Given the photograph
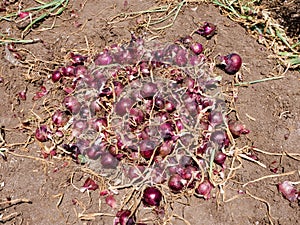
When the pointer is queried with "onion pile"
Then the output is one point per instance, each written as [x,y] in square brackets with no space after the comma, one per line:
[154,113]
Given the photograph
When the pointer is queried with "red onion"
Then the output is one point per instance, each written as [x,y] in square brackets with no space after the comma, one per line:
[147,148]
[123,105]
[152,196]
[196,47]
[181,57]
[170,106]
[59,118]
[202,148]
[159,102]
[123,218]
[77,59]
[232,62]
[136,115]
[187,39]
[103,59]
[68,71]
[207,30]
[108,161]
[99,123]
[118,87]
[148,90]
[215,118]
[219,137]
[111,201]
[90,185]
[22,95]
[289,191]
[220,158]
[56,76]
[176,183]
[187,173]
[80,71]
[205,188]
[72,104]
[166,148]
[135,171]
[93,153]
[166,130]
[236,128]
[78,127]
[23,15]
[42,133]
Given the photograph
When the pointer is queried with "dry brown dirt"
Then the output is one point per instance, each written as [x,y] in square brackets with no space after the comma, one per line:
[271,110]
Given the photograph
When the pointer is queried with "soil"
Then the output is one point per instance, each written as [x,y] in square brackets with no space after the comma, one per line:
[271,110]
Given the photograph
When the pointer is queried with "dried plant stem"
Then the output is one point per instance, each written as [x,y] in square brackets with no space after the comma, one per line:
[264,201]
[16,201]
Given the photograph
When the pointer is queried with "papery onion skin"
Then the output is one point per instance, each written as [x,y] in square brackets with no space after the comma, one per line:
[289,191]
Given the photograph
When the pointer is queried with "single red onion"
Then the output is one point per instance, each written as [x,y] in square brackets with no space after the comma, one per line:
[42,133]
[152,196]
[99,123]
[179,124]
[236,128]
[68,71]
[197,48]
[166,148]
[78,127]
[205,188]
[93,153]
[176,183]
[147,148]
[123,218]
[56,76]
[207,30]
[80,71]
[289,191]
[148,90]
[72,104]
[78,59]
[108,161]
[103,59]
[159,102]
[219,137]
[187,39]
[123,105]
[181,58]
[118,87]
[220,158]
[135,171]
[59,118]
[187,173]
[166,130]
[170,106]
[232,62]
[136,115]
[215,118]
